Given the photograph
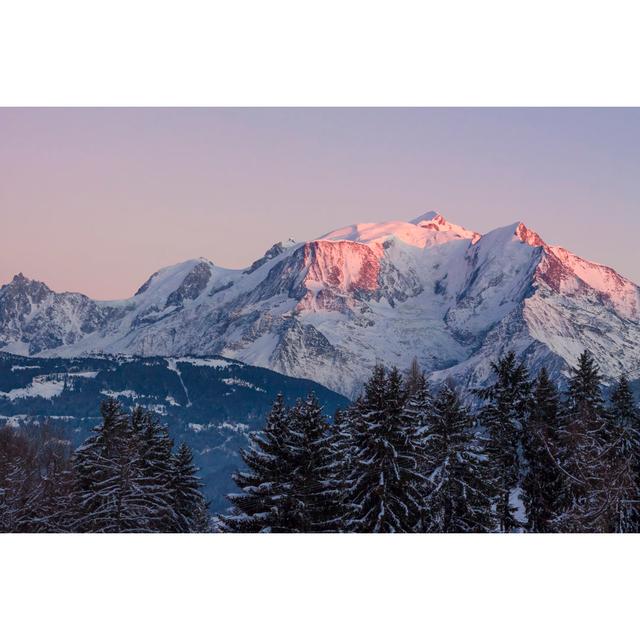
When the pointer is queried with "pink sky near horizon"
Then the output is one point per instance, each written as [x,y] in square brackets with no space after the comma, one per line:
[95,200]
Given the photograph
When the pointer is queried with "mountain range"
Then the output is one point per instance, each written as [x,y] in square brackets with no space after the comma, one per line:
[330,308]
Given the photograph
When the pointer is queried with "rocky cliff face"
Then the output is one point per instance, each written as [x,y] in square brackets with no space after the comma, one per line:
[330,308]
[33,318]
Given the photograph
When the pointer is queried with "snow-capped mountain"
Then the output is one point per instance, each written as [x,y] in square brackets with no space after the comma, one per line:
[330,308]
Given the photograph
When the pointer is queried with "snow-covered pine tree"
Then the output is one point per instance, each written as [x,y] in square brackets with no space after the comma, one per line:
[316,485]
[624,430]
[419,403]
[417,416]
[543,481]
[265,501]
[503,416]
[342,433]
[154,450]
[585,454]
[189,505]
[460,494]
[109,493]
[384,490]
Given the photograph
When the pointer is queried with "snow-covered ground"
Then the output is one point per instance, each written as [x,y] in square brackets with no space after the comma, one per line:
[43,386]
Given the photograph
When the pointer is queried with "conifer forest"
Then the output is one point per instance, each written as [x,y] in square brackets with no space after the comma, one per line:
[518,455]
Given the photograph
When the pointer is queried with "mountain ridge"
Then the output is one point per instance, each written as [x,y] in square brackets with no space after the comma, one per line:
[329,308]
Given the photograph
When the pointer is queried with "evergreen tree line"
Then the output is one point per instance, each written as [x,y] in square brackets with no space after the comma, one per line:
[125,478]
[401,458]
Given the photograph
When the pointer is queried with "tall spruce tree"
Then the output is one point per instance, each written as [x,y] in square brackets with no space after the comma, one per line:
[342,446]
[459,492]
[585,454]
[543,482]
[624,431]
[503,416]
[315,488]
[265,503]
[154,450]
[384,490]
[419,402]
[190,507]
[109,494]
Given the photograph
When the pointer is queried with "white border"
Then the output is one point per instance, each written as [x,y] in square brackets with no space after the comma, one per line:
[334,52]
[308,587]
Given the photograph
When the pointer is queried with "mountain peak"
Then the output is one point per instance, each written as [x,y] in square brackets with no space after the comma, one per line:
[20,278]
[277,249]
[426,230]
[528,236]
[20,281]
[437,222]
[515,232]
[430,216]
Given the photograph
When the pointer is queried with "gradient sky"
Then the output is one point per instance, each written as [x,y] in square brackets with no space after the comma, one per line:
[95,200]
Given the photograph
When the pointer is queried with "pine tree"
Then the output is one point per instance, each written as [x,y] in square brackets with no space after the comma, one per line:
[419,403]
[189,505]
[315,486]
[459,493]
[543,482]
[266,501]
[624,431]
[342,446]
[503,416]
[110,483]
[417,415]
[385,484]
[585,454]
[154,450]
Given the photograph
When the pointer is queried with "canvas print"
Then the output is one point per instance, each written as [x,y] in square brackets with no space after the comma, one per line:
[319,320]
